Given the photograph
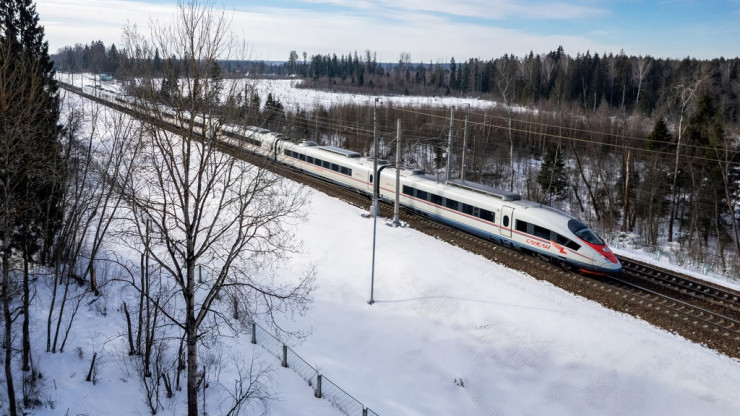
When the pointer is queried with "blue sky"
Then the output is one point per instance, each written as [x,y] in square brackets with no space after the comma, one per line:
[431,30]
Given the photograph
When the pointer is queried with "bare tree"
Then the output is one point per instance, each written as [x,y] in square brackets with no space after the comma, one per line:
[685,94]
[206,208]
[506,70]
[640,68]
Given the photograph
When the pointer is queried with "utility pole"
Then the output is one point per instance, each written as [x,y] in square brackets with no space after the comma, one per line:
[374,183]
[396,207]
[449,143]
[465,144]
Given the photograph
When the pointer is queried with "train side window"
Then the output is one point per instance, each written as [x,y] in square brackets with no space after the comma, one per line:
[490,216]
[541,232]
[573,245]
[506,220]
[309,159]
[521,225]
[564,241]
[467,209]
[436,199]
[302,156]
[335,167]
[317,161]
[451,204]
[326,164]
[407,190]
[421,194]
[345,171]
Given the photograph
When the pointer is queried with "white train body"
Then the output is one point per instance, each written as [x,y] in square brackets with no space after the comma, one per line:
[493,214]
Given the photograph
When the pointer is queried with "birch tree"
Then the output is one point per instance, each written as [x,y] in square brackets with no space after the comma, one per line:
[221,225]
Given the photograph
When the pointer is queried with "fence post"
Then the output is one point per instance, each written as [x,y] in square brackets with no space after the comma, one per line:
[254,333]
[318,386]
[285,355]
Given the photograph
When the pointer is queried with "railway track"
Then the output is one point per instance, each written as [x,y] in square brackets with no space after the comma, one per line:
[718,298]
[704,313]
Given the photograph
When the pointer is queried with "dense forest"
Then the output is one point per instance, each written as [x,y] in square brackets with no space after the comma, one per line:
[646,149]
[588,81]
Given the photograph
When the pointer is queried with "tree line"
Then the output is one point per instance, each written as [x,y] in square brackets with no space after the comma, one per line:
[553,79]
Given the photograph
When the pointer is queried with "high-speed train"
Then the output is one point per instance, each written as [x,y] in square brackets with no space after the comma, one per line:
[493,214]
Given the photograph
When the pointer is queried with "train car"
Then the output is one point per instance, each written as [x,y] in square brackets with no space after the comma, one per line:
[341,166]
[497,215]
[504,217]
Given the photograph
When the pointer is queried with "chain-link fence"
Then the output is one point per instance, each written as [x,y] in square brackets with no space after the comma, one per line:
[323,387]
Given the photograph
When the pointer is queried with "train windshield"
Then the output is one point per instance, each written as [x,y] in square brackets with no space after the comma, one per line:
[583,232]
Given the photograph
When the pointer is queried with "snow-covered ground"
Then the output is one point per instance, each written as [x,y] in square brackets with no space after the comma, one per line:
[293,98]
[520,346]
[450,333]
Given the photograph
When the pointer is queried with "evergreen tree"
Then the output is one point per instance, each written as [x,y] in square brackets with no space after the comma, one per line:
[29,124]
[113,59]
[157,61]
[659,139]
[453,74]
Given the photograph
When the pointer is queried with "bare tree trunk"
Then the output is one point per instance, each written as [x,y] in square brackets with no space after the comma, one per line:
[686,94]
[50,317]
[132,350]
[626,207]
[674,199]
[585,181]
[8,341]
[26,316]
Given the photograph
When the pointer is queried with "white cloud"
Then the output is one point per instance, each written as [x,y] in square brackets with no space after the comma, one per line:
[488,9]
[68,22]
[274,33]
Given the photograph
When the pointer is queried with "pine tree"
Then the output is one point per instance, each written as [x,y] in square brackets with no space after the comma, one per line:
[113,59]
[660,138]
[453,74]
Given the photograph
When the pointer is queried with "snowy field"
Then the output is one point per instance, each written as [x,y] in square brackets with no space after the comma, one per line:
[450,333]
[293,98]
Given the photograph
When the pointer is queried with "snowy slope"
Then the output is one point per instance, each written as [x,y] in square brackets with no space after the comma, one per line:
[519,346]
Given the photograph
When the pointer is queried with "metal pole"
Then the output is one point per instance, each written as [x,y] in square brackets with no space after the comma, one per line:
[372,273]
[449,142]
[374,207]
[396,207]
[465,144]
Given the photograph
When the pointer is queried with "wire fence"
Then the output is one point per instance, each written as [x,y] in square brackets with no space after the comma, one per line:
[323,387]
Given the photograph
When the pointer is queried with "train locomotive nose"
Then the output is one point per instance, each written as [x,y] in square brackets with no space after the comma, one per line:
[609,262]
